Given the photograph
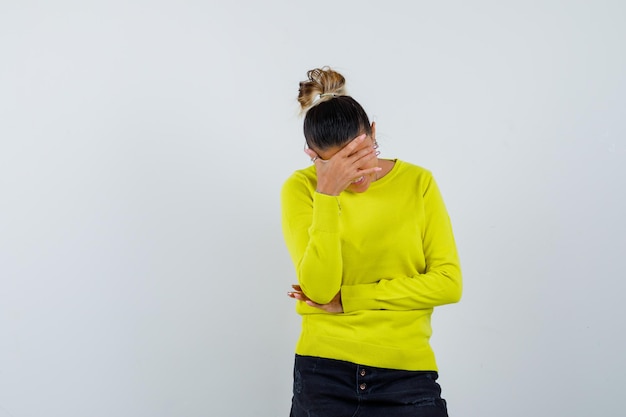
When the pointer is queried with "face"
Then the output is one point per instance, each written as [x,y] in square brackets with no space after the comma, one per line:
[359,185]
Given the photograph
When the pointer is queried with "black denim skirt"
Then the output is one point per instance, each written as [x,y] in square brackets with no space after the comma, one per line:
[332,388]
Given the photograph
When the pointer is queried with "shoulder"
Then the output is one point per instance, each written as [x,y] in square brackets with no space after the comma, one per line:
[420,179]
[414,177]
[414,173]
[302,181]
[302,177]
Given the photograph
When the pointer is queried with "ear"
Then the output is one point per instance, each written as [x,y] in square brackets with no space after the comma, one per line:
[312,154]
[374,131]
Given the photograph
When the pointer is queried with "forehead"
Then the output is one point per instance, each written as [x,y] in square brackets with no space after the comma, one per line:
[330,152]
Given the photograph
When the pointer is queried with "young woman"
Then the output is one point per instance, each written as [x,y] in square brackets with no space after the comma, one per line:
[374,253]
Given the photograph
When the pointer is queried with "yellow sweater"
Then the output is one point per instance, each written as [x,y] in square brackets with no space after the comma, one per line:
[391,252]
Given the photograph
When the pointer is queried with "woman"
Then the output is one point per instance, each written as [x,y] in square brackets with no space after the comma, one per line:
[374,253]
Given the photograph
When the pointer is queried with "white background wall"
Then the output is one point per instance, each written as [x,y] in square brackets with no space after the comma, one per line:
[143,146]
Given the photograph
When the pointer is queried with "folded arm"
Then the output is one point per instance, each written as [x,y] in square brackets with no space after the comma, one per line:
[440,283]
[311,229]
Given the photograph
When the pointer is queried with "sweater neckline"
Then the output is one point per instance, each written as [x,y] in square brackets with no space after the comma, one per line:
[392,173]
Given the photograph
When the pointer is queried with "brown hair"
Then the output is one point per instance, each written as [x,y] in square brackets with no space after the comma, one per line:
[331,117]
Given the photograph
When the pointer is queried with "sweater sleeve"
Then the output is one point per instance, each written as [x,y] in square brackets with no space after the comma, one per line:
[439,284]
[310,223]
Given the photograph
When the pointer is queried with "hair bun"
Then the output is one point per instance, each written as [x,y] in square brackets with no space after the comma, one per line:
[323,84]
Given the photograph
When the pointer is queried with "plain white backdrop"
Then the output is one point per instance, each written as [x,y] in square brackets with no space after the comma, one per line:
[143,146]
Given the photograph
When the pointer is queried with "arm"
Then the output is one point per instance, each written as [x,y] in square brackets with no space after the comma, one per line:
[439,284]
[310,223]
[310,218]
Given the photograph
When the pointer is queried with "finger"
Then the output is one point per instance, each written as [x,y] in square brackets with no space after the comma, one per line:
[369,171]
[314,304]
[297,295]
[351,147]
[359,161]
[296,287]
[363,155]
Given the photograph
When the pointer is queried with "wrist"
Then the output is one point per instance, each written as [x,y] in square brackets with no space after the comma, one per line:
[326,193]
[328,189]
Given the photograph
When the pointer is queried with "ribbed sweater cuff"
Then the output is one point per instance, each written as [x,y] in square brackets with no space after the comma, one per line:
[358,297]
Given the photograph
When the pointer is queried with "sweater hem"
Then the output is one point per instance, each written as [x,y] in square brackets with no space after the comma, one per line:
[367,354]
